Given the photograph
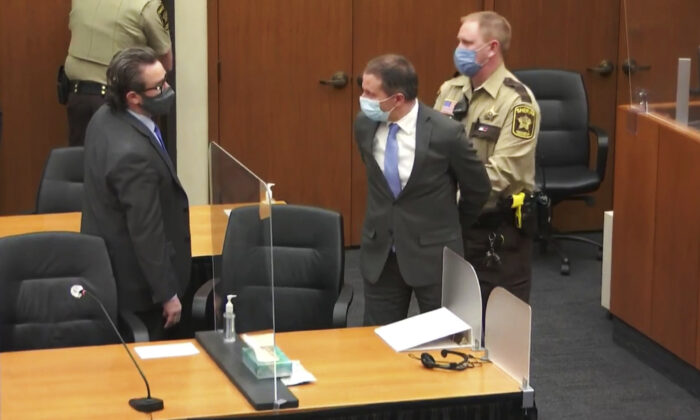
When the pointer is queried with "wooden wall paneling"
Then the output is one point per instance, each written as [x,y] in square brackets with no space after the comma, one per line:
[572,35]
[425,33]
[33,44]
[697,318]
[651,42]
[676,245]
[274,115]
[634,219]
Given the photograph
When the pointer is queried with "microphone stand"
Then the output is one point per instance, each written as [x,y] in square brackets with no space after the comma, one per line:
[145,404]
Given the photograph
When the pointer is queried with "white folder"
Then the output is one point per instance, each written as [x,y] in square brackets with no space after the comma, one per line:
[456,324]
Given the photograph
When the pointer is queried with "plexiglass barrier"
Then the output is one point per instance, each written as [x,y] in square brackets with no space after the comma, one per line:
[461,292]
[660,65]
[243,272]
[508,323]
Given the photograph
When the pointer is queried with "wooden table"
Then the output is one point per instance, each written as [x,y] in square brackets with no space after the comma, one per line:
[353,368]
[207,226]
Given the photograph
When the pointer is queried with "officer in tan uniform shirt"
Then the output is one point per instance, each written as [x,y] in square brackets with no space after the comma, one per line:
[99,29]
[501,118]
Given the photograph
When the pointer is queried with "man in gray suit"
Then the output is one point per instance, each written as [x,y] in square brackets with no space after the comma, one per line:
[416,159]
[133,198]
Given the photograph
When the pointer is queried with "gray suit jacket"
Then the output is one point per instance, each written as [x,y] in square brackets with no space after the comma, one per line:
[134,200]
[424,217]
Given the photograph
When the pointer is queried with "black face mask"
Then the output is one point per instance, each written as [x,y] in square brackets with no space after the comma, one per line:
[161,104]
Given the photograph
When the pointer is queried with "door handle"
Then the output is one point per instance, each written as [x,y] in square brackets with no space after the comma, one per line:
[338,80]
[630,66]
[604,68]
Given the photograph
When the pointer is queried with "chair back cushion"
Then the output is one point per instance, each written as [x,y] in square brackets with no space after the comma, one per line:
[36,308]
[561,95]
[306,258]
[61,187]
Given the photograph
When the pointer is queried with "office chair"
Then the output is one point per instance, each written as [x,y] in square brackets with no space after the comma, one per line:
[308,261]
[562,156]
[61,187]
[37,310]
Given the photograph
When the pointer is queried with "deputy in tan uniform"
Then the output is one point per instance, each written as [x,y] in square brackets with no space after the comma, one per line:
[99,29]
[501,118]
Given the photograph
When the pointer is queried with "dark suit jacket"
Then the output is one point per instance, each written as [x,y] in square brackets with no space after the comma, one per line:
[134,200]
[424,217]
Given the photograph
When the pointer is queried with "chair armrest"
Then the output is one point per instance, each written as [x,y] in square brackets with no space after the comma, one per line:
[200,300]
[133,328]
[340,309]
[602,156]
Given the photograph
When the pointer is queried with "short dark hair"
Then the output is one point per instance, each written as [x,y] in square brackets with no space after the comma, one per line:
[124,74]
[397,75]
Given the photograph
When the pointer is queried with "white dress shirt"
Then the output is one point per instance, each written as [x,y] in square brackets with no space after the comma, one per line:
[405,139]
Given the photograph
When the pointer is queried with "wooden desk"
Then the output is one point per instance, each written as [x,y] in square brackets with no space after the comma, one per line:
[353,368]
[655,283]
[207,226]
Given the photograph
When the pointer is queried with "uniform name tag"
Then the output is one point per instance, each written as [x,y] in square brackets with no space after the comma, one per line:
[485,131]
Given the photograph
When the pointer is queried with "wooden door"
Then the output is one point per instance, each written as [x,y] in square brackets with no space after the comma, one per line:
[572,35]
[655,37]
[425,32]
[274,115]
[33,43]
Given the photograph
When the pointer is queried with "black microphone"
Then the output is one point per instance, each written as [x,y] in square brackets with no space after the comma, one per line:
[146,404]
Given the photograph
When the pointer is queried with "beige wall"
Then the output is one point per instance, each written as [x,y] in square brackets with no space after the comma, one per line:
[192,112]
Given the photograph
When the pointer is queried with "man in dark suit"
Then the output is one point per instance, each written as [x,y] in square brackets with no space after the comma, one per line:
[416,159]
[133,198]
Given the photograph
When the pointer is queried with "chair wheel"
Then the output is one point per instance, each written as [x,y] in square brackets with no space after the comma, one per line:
[565,269]
[600,254]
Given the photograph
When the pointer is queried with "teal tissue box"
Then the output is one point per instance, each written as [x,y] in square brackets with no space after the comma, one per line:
[264,370]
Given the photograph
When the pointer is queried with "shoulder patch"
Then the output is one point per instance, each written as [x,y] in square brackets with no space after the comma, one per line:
[163,15]
[519,88]
[524,118]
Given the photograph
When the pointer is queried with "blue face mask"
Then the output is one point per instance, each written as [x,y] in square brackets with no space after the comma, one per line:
[371,108]
[465,61]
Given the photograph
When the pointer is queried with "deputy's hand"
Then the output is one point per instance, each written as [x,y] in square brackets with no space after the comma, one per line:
[171,311]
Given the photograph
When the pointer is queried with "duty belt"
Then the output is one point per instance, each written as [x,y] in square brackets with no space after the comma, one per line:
[489,220]
[84,87]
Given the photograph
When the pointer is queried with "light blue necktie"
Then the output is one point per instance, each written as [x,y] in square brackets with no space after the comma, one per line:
[159,136]
[391,160]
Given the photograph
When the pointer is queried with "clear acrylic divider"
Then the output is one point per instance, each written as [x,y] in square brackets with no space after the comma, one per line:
[241,233]
[461,293]
[508,324]
[659,68]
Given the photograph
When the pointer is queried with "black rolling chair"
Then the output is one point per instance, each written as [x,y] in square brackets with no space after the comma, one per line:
[563,161]
[308,259]
[37,310]
[61,187]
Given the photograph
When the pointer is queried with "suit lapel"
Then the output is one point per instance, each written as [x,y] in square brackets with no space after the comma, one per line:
[366,136]
[423,130]
[153,142]
[369,131]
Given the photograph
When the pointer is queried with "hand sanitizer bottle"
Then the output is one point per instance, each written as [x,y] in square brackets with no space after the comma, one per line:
[229,321]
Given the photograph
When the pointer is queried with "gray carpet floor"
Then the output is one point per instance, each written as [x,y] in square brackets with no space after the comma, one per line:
[576,369]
